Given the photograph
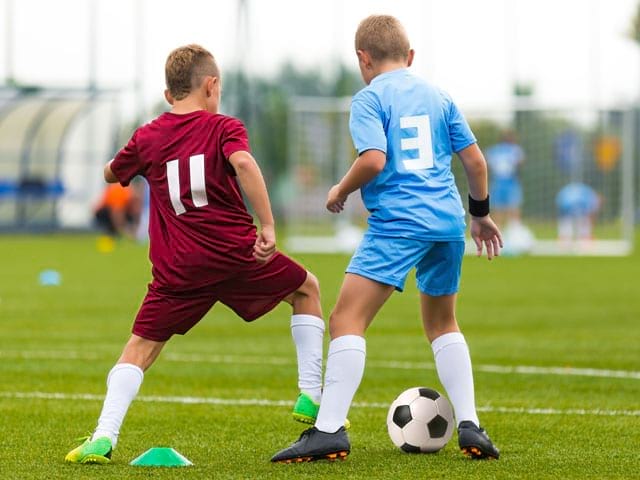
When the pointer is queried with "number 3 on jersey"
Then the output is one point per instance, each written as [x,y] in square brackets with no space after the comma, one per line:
[197,186]
[420,142]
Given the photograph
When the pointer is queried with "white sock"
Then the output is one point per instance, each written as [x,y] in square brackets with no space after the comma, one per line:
[453,364]
[308,335]
[123,383]
[345,367]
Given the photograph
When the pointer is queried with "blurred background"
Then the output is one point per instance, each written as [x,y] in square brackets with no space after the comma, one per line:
[551,90]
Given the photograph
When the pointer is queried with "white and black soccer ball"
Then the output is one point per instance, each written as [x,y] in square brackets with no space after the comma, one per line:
[420,420]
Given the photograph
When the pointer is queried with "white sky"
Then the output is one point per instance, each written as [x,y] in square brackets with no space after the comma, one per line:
[574,52]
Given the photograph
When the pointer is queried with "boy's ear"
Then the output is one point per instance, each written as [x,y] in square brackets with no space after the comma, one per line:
[168,97]
[211,84]
[412,53]
[364,57]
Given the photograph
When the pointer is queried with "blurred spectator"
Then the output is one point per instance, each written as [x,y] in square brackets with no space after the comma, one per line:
[578,204]
[505,159]
[119,210]
[142,232]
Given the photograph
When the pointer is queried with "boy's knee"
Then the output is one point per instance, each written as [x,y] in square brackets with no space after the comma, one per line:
[310,287]
[141,352]
[334,324]
[340,325]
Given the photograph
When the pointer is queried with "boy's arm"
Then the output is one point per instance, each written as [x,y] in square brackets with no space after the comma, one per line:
[483,230]
[252,184]
[369,164]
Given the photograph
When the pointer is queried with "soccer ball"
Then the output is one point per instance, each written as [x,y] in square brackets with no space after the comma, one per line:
[420,420]
[518,239]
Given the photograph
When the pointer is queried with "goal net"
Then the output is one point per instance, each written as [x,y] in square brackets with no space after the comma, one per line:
[320,152]
[576,178]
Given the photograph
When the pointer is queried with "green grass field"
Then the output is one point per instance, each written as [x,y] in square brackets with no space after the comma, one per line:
[554,343]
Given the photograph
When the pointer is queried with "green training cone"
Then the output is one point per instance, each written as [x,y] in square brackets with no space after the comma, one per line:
[161,457]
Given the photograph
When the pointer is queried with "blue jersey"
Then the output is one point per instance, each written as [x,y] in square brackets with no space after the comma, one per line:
[418,127]
[577,199]
[504,159]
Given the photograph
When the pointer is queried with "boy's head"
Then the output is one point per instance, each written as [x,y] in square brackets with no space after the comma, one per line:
[381,39]
[192,70]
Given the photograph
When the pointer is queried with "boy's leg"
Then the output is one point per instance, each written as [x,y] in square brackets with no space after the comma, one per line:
[358,302]
[583,227]
[260,289]
[451,353]
[307,330]
[565,228]
[123,383]
[453,364]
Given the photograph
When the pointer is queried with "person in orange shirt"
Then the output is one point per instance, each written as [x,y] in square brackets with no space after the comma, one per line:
[118,211]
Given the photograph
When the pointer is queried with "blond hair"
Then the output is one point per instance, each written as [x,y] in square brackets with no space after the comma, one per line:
[186,67]
[383,37]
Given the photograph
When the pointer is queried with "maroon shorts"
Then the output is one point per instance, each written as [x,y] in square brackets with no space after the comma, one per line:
[251,294]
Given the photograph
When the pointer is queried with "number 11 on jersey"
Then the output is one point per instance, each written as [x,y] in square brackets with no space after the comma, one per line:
[197,185]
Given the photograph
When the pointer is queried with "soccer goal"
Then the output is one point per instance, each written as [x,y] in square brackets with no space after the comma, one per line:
[577,178]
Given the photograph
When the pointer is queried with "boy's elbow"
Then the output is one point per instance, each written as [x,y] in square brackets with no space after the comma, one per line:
[379,164]
[478,163]
[242,162]
[375,160]
[109,176]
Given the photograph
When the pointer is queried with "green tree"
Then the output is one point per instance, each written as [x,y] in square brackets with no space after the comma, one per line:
[263,103]
[635,26]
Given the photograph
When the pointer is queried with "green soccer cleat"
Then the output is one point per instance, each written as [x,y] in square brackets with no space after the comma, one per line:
[91,451]
[306,411]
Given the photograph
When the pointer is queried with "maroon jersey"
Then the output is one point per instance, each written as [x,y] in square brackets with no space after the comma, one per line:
[199,228]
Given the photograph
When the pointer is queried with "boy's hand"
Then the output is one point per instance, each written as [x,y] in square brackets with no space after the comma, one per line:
[265,245]
[486,233]
[335,200]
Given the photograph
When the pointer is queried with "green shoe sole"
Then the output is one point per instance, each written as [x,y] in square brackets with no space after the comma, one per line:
[299,417]
[97,459]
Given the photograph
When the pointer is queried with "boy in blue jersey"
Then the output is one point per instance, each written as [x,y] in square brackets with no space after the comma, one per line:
[405,132]
[505,159]
[578,205]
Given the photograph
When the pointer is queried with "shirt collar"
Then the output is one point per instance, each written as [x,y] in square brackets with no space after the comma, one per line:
[390,73]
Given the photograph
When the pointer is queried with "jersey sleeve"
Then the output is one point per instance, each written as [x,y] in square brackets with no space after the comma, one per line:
[459,131]
[127,164]
[365,123]
[234,138]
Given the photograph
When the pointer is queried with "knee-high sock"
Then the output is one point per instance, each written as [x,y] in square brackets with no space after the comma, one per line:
[308,335]
[123,383]
[345,367]
[453,364]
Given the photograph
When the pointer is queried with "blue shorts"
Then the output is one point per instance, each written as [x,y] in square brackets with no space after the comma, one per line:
[388,260]
[506,194]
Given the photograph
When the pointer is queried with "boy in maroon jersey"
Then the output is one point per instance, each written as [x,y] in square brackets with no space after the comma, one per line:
[204,246]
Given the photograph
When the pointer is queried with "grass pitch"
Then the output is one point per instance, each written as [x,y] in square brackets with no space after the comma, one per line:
[554,343]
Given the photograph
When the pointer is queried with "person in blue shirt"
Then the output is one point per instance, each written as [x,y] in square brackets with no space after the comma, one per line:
[505,160]
[577,205]
[405,132]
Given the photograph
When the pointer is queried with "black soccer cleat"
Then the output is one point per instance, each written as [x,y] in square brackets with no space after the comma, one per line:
[475,443]
[316,445]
